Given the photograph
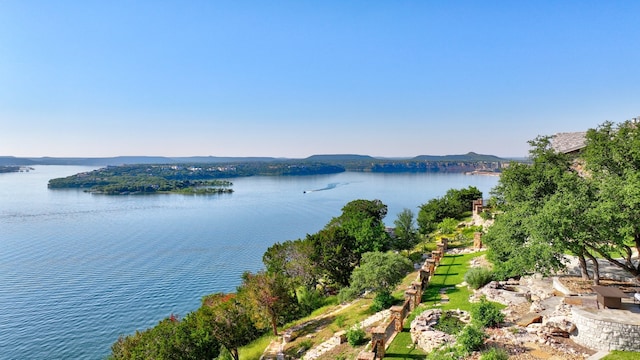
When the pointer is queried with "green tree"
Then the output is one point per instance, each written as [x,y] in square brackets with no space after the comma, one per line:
[363,220]
[230,321]
[588,205]
[269,297]
[378,272]
[406,233]
[189,338]
[515,245]
[334,253]
[569,221]
[612,159]
[454,204]
[293,259]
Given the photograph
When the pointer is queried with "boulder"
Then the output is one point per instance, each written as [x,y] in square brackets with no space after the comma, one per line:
[529,319]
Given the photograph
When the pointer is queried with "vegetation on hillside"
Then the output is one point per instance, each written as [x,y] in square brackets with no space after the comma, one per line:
[454,204]
[588,206]
[350,253]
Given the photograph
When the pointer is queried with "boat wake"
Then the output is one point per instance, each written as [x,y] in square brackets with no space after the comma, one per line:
[328,187]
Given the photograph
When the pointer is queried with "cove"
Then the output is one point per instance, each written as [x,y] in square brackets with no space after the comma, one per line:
[79,269]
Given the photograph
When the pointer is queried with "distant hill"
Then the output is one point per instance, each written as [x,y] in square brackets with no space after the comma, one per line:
[126,160]
[351,162]
[12,160]
[339,158]
[217,159]
[470,156]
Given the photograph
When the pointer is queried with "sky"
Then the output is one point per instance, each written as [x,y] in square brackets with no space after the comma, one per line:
[297,78]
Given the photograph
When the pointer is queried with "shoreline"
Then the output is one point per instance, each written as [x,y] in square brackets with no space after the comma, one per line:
[482,172]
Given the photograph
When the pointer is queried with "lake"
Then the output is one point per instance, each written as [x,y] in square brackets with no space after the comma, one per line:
[77,270]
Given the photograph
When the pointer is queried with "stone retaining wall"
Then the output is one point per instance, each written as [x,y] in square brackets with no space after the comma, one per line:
[606,329]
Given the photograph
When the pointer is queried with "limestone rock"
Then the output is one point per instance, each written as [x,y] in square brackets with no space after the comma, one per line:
[423,333]
[529,319]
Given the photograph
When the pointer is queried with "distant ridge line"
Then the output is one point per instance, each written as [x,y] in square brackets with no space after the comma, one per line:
[330,158]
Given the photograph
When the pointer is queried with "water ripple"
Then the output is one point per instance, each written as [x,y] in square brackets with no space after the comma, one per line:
[78,270]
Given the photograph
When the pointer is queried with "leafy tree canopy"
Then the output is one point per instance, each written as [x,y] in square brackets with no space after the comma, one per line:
[230,321]
[406,233]
[270,300]
[454,204]
[378,272]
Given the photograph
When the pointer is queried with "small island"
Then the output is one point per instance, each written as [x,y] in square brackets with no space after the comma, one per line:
[131,180]
[14,168]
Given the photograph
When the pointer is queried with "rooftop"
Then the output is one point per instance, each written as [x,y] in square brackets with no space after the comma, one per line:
[567,142]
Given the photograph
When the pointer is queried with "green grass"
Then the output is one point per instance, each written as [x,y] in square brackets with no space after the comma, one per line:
[622,355]
[448,274]
[403,348]
[254,350]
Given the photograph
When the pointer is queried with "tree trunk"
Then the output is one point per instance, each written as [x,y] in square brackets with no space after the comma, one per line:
[234,354]
[636,239]
[596,268]
[583,266]
[274,324]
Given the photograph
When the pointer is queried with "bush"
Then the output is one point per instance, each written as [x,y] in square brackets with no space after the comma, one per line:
[355,336]
[495,354]
[309,299]
[382,301]
[471,338]
[305,344]
[449,324]
[445,353]
[447,225]
[347,294]
[416,257]
[478,277]
[224,354]
[486,215]
[486,313]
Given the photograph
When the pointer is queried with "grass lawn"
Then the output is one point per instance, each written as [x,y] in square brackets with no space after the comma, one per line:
[622,355]
[254,350]
[448,274]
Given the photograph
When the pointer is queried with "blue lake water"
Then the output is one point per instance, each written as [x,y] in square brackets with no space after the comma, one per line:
[77,270]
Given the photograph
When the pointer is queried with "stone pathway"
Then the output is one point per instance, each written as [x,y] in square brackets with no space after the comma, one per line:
[599,355]
[276,347]
[333,342]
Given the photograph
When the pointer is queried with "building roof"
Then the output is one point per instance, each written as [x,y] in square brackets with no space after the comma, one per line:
[569,141]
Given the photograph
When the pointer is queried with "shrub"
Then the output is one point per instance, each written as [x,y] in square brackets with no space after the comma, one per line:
[486,313]
[224,354]
[382,301]
[339,320]
[305,344]
[447,226]
[449,324]
[309,299]
[355,336]
[445,353]
[478,277]
[471,338]
[347,294]
[486,215]
[416,257]
[495,354]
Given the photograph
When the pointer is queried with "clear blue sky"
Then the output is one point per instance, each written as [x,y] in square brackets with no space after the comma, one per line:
[296,78]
